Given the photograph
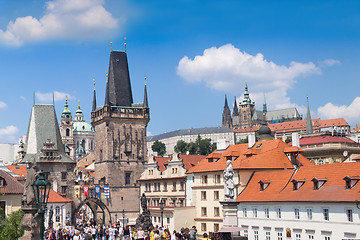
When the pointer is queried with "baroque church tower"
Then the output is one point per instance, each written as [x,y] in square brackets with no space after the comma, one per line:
[66,130]
[120,149]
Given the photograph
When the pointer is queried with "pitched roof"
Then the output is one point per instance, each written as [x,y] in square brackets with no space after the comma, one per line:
[43,125]
[18,169]
[12,186]
[263,155]
[300,125]
[324,139]
[118,87]
[281,188]
[188,161]
[55,197]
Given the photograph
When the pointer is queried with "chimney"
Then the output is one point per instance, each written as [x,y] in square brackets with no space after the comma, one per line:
[251,139]
[295,139]
[222,144]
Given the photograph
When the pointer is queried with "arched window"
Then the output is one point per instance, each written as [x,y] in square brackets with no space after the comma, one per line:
[67,132]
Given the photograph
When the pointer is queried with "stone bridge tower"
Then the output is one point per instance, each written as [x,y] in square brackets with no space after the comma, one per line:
[120,140]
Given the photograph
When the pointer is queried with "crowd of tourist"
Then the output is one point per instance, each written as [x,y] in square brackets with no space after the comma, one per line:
[116,232]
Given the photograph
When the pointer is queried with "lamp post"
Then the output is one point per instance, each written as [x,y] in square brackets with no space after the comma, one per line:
[162,203]
[123,212]
[41,189]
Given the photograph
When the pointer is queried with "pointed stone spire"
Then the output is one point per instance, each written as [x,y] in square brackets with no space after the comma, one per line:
[235,109]
[94,99]
[264,105]
[145,104]
[226,118]
[309,126]
[247,99]
[118,87]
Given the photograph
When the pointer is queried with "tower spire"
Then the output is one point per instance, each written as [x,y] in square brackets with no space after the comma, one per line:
[235,109]
[94,99]
[226,118]
[264,105]
[309,126]
[145,104]
[107,100]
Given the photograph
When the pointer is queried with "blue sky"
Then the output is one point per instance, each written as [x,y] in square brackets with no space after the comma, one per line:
[192,52]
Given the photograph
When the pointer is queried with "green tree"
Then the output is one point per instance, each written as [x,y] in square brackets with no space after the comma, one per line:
[243,140]
[180,147]
[10,227]
[191,147]
[288,139]
[159,147]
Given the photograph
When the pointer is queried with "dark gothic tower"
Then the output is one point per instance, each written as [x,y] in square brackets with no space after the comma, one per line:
[226,117]
[309,126]
[120,137]
[235,109]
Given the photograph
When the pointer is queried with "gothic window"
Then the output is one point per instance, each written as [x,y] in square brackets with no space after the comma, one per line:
[127,178]
[67,132]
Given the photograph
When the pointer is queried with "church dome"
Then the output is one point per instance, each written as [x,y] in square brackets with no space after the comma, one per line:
[264,130]
[82,127]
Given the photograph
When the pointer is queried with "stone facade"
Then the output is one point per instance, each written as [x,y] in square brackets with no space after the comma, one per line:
[120,140]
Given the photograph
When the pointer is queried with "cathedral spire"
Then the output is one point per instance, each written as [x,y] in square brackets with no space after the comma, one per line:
[94,99]
[145,104]
[235,109]
[309,126]
[226,118]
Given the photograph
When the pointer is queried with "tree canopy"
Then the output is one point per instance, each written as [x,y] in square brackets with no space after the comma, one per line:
[159,147]
[10,227]
[181,147]
[200,146]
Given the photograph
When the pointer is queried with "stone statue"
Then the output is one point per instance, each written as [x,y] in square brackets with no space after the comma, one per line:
[229,181]
[143,202]
[28,197]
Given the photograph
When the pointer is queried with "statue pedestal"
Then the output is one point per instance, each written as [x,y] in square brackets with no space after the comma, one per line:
[30,223]
[230,210]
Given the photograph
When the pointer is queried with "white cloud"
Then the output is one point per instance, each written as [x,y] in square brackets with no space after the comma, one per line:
[23,98]
[351,113]
[48,97]
[9,133]
[227,69]
[329,62]
[63,19]
[3,105]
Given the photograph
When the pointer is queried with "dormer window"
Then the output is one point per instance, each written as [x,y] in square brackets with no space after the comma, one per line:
[2,182]
[297,183]
[213,159]
[264,184]
[351,181]
[318,182]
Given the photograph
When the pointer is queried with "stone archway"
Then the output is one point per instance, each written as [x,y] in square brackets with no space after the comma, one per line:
[91,202]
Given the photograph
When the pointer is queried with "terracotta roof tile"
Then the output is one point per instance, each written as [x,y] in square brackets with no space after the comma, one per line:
[281,187]
[12,186]
[324,139]
[55,197]
[269,154]
[18,169]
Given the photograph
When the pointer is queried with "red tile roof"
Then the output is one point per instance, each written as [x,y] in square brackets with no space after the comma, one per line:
[265,155]
[55,197]
[18,169]
[281,188]
[12,186]
[188,161]
[356,129]
[299,125]
[324,139]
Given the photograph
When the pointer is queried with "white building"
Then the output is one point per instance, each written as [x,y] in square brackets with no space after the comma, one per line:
[190,135]
[8,153]
[61,210]
[314,202]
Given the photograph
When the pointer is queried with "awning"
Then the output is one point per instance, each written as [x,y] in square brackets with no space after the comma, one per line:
[231,229]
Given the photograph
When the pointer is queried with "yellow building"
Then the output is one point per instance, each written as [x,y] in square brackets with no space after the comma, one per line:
[208,186]
[10,193]
[164,179]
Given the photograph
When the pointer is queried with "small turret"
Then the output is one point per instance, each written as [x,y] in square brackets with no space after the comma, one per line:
[235,109]
[264,106]
[66,114]
[79,116]
[145,104]
[94,100]
[309,126]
